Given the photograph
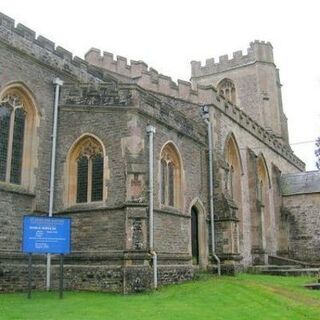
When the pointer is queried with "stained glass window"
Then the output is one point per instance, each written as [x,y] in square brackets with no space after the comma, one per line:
[82,179]
[97,178]
[5,114]
[89,172]
[171,184]
[17,146]
[12,127]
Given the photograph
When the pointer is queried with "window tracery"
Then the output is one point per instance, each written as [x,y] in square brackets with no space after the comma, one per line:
[227,89]
[12,133]
[170,184]
[86,172]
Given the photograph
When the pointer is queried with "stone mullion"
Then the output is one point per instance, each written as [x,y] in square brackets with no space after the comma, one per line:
[89,190]
[175,184]
[76,177]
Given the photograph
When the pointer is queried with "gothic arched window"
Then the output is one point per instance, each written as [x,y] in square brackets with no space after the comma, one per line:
[86,171]
[233,170]
[16,129]
[227,89]
[170,184]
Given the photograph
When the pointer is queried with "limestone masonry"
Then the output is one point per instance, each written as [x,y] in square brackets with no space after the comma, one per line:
[264,201]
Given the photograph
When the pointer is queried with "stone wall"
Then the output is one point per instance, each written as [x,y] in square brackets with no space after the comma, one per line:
[13,206]
[301,203]
[110,238]
[303,218]
[84,276]
[223,125]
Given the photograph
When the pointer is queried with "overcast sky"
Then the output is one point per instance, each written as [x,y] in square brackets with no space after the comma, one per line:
[167,35]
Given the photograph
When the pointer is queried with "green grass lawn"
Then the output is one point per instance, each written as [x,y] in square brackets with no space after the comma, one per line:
[242,297]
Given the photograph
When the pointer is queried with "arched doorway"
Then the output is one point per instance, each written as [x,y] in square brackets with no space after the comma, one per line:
[194,236]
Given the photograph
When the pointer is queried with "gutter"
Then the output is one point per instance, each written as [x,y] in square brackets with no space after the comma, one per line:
[150,132]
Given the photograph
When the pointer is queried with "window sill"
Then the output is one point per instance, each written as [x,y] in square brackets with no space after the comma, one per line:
[15,188]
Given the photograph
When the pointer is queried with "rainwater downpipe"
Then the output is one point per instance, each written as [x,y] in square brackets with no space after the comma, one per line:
[151,131]
[206,118]
[57,83]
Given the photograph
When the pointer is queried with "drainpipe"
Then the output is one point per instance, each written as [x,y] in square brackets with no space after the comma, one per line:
[206,118]
[57,83]
[151,131]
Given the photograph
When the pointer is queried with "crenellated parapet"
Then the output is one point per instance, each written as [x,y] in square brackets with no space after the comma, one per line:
[265,136]
[258,51]
[149,78]
[119,65]
[43,49]
[138,73]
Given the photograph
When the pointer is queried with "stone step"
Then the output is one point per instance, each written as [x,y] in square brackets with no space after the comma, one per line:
[278,260]
[283,270]
[260,268]
[292,272]
[276,267]
[313,286]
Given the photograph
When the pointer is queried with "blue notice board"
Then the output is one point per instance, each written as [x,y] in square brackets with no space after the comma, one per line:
[46,235]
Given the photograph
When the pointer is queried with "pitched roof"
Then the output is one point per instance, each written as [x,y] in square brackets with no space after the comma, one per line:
[300,183]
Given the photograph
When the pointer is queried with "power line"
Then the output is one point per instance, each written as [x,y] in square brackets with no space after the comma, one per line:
[302,142]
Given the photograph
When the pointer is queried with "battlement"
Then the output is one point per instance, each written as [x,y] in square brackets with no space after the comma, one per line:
[43,49]
[149,78]
[258,51]
[24,40]
[265,136]
[120,65]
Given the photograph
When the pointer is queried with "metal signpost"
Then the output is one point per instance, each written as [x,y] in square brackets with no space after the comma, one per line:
[43,235]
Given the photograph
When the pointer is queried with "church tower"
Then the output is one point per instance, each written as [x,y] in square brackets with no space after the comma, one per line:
[251,82]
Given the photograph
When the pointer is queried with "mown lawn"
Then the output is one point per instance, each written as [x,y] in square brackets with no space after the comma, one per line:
[242,297]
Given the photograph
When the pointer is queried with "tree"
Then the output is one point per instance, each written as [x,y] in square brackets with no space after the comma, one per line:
[317,153]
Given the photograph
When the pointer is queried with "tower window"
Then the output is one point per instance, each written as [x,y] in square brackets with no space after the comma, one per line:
[227,89]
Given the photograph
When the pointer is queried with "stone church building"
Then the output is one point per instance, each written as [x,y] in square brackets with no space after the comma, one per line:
[265,204]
